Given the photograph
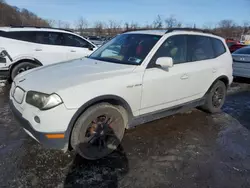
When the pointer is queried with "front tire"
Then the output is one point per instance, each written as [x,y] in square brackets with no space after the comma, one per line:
[215,98]
[21,67]
[98,131]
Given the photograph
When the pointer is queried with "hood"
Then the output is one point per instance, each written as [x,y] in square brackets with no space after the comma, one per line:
[52,78]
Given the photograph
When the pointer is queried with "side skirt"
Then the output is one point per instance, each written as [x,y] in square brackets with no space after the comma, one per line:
[165,112]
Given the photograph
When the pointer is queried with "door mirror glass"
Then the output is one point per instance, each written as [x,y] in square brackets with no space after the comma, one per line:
[90,47]
[165,62]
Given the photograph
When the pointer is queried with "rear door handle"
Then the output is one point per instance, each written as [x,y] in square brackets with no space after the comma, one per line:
[38,49]
[184,76]
[72,51]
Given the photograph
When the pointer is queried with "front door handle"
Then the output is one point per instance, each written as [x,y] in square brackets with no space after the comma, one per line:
[72,51]
[184,76]
[38,49]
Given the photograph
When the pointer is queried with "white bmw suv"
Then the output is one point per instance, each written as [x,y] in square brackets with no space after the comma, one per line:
[23,48]
[136,77]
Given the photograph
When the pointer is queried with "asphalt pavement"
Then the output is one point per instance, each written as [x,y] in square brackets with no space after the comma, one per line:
[193,149]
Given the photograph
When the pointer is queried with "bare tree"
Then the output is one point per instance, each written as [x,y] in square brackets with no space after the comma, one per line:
[63,24]
[171,22]
[134,25]
[11,15]
[99,27]
[226,28]
[113,27]
[126,26]
[208,26]
[157,23]
[81,25]
[52,23]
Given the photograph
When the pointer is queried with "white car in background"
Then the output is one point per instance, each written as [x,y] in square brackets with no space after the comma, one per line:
[23,48]
[241,62]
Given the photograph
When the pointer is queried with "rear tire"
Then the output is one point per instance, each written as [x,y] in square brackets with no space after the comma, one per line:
[215,98]
[21,67]
[98,131]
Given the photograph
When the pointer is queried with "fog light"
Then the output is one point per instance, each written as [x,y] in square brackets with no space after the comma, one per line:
[37,119]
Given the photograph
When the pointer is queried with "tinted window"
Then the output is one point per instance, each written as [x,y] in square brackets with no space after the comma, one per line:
[200,48]
[28,36]
[218,46]
[245,50]
[175,47]
[71,40]
[229,44]
[94,38]
[50,38]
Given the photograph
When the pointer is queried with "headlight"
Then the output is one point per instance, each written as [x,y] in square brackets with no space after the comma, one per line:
[43,101]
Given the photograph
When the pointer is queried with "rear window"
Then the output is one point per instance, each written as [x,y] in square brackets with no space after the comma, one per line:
[28,36]
[245,50]
[218,46]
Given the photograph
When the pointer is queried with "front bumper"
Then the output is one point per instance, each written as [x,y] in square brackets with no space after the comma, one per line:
[52,143]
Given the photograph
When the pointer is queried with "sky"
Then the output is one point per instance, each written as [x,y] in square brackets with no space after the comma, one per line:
[191,12]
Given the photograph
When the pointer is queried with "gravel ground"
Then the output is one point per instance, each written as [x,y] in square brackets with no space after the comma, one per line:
[192,149]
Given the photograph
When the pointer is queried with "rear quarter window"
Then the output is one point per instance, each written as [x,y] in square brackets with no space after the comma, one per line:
[27,36]
[218,47]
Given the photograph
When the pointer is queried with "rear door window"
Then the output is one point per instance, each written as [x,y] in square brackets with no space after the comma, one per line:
[50,38]
[200,48]
[218,46]
[28,36]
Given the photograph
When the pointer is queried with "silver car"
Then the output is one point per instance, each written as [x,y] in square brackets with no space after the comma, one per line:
[241,62]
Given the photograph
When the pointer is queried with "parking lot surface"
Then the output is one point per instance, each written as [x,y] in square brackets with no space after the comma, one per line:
[192,149]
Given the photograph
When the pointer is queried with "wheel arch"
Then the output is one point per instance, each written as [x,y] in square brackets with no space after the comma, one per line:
[222,78]
[24,59]
[112,99]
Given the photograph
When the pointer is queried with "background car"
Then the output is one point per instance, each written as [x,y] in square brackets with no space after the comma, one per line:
[234,45]
[96,40]
[241,62]
[24,48]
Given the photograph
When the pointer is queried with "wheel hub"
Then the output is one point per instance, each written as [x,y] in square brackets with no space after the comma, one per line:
[99,131]
[217,97]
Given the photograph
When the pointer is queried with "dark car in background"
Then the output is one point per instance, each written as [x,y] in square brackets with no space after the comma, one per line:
[234,45]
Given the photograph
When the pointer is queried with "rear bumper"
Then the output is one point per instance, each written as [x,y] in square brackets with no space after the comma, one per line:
[52,143]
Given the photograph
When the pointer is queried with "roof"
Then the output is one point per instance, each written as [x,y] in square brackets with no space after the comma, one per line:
[177,30]
[9,29]
[149,32]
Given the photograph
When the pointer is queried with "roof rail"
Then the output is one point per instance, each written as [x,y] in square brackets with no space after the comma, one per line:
[38,27]
[144,29]
[189,29]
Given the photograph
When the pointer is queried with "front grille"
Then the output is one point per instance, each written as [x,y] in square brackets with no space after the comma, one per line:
[18,95]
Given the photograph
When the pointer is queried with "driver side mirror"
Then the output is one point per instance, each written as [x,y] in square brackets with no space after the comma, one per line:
[164,62]
[90,47]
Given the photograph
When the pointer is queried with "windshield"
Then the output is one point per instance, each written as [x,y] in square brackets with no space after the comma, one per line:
[126,49]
